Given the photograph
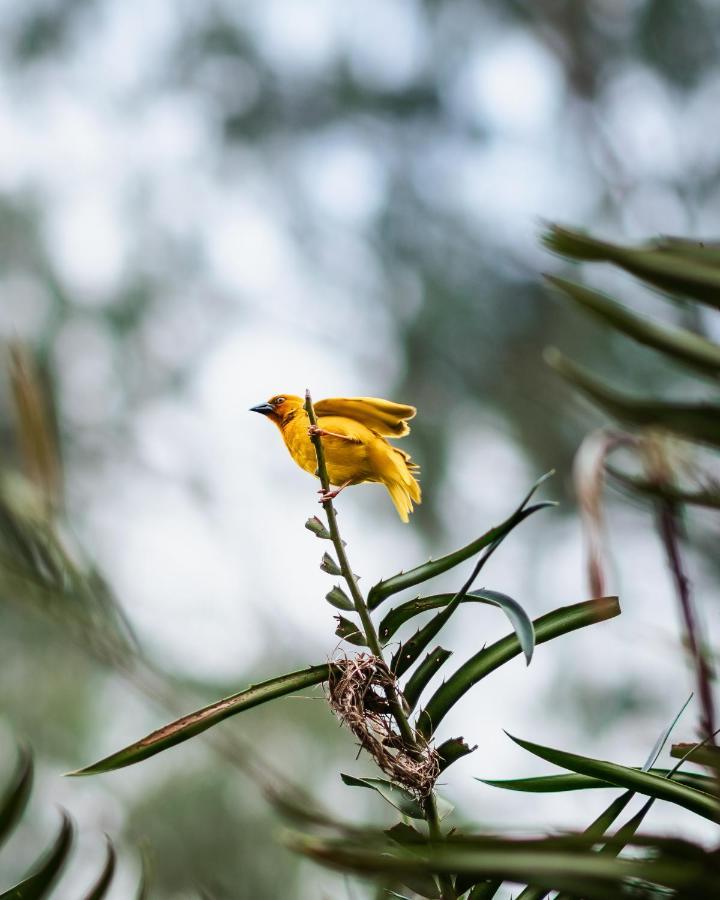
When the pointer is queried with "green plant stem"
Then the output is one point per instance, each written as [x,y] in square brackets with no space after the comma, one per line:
[371,637]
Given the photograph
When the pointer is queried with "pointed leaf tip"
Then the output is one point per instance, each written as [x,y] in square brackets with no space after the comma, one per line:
[329,565]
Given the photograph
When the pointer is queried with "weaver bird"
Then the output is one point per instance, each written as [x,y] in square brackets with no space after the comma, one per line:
[353,432]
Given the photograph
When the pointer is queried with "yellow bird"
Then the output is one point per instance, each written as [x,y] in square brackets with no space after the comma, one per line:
[354,432]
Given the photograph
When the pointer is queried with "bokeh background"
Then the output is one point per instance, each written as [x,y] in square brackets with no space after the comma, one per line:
[205,204]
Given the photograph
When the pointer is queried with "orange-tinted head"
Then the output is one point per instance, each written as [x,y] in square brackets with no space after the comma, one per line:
[278,407]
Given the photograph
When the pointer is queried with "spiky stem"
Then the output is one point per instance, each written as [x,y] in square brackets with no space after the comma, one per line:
[371,636]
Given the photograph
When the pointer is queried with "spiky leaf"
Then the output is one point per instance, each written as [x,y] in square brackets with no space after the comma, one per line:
[16,795]
[339,599]
[102,885]
[633,779]
[349,632]
[47,870]
[421,676]
[696,421]
[684,346]
[195,723]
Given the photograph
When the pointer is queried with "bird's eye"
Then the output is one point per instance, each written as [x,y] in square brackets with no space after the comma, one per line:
[279,400]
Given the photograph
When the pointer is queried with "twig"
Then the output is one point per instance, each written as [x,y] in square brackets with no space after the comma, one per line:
[668,528]
[371,637]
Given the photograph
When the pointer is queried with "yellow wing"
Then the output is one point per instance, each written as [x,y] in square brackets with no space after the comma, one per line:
[382,416]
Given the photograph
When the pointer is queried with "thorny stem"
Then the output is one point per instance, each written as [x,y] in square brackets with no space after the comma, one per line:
[668,527]
[371,637]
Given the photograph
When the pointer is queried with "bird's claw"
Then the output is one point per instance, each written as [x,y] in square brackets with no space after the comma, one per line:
[326,496]
[316,431]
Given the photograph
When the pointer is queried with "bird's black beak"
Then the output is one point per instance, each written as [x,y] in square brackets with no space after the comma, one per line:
[263,408]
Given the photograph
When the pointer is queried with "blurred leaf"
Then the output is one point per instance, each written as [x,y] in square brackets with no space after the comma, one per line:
[555,783]
[102,885]
[705,755]
[676,273]
[349,632]
[709,496]
[452,750]
[318,529]
[404,834]
[17,794]
[384,589]
[551,625]
[403,801]
[417,683]
[329,565]
[339,599]
[556,863]
[36,425]
[195,723]
[633,779]
[696,421]
[47,870]
[682,345]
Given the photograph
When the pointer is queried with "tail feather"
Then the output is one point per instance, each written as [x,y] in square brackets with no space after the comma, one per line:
[402,485]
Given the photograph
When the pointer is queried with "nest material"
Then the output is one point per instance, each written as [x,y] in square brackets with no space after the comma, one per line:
[358,689]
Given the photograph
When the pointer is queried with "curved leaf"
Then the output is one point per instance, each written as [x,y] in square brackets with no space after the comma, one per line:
[421,676]
[39,884]
[195,723]
[16,796]
[684,346]
[623,776]
[519,619]
[546,784]
[551,625]
[403,801]
[408,652]
[384,589]
[673,272]
[102,885]
[696,421]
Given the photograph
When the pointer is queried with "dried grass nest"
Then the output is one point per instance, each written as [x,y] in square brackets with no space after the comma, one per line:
[357,694]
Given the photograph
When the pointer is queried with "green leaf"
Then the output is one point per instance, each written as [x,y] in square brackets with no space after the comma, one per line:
[486,889]
[409,652]
[705,755]
[670,271]
[197,722]
[696,421]
[102,885]
[17,794]
[349,632]
[318,529]
[684,346]
[551,625]
[561,863]
[548,784]
[421,676]
[47,870]
[452,750]
[384,589]
[339,599]
[517,615]
[329,565]
[403,801]
[623,776]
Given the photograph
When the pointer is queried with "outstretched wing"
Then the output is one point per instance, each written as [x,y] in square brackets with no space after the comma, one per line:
[382,416]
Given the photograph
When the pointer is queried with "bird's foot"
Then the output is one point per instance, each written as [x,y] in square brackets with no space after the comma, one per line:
[316,431]
[326,496]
